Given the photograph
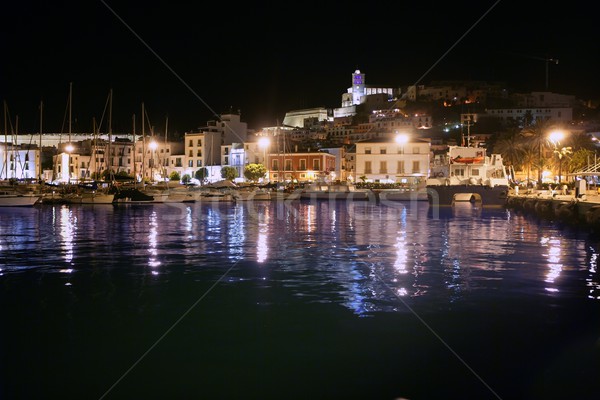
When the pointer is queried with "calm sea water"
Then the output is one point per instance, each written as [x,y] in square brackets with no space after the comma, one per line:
[295,301]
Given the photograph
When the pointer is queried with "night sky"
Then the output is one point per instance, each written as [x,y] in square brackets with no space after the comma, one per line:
[188,62]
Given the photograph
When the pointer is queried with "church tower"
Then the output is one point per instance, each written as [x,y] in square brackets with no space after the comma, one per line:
[358,87]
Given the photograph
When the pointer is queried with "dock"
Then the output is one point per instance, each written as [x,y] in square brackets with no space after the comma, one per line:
[581,210]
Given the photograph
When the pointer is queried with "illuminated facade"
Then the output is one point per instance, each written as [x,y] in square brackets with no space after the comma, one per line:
[19,161]
[387,161]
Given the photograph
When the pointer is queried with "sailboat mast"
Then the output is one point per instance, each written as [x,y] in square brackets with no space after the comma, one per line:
[134,155]
[94,149]
[5,143]
[143,144]
[15,154]
[70,114]
[110,158]
[163,166]
[40,151]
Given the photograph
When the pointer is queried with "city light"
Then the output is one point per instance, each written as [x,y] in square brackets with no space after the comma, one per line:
[264,143]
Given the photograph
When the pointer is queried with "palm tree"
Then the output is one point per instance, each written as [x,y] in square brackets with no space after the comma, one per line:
[529,159]
[562,153]
[537,134]
[510,146]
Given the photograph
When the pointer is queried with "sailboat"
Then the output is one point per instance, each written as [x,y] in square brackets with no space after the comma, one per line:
[90,192]
[131,194]
[13,194]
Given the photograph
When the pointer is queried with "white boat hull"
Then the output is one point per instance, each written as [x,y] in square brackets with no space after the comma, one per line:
[18,200]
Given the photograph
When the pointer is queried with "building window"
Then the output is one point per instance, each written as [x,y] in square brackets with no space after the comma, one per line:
[383,167]
[367,150]
[275,165]
[316,164]
[400,167]
[288,165]
[416,150]
[302,165]
[415,168]
[198,163]
[367,167]
[191,143]
[226,160]
[382,150]
[191,163]
[199,143]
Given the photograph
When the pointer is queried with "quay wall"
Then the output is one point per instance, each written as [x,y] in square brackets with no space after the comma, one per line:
[578,211]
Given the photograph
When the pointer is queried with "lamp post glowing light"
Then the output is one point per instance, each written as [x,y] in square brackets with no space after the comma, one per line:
[555,137]
[264,143]
[69,149]
[153,145]
[401,139]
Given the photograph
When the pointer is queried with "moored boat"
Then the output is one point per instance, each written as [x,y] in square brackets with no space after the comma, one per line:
[335,191]
[10,198]
[483,179]
[251,194]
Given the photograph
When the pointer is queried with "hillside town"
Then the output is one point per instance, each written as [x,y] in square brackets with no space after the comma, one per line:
[378,134]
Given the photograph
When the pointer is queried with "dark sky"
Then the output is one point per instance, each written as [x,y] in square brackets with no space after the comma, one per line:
[190,61]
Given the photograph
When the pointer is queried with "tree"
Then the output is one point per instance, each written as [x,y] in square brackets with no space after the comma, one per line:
[562,152]
[186,178]
[201,174]
[537,133]
[229,173]
[174,176]
[510,146]
[253,172]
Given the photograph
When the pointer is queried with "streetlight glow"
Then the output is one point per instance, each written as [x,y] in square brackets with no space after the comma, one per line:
[556,136]
[263,143]
[152,146]
[401,138]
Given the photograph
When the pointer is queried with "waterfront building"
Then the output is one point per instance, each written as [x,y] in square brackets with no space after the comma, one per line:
[203,150]
[20,161]
[306,165]
[388,160]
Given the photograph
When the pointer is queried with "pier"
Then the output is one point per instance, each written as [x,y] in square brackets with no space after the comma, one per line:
[581,210]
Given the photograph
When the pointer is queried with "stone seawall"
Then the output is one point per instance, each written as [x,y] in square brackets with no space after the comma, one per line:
[581,212]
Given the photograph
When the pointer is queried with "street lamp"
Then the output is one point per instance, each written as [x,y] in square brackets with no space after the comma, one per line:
[555,137]
[69,149]
[264,143]
[153,145]
[401,139]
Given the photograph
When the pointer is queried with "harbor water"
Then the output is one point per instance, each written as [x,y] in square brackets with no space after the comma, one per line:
[296,300]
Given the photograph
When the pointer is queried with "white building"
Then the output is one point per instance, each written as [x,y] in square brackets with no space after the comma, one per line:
[19,161]
[393,160]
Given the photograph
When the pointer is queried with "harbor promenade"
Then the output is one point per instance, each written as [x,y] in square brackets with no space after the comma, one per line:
[581,209]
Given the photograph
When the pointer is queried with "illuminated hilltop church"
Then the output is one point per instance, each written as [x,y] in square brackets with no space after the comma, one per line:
[358,93]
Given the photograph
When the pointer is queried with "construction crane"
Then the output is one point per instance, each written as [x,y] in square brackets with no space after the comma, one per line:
[547,60]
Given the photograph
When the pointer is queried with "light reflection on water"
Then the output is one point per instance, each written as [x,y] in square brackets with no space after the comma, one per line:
[360,292]
[363,255]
